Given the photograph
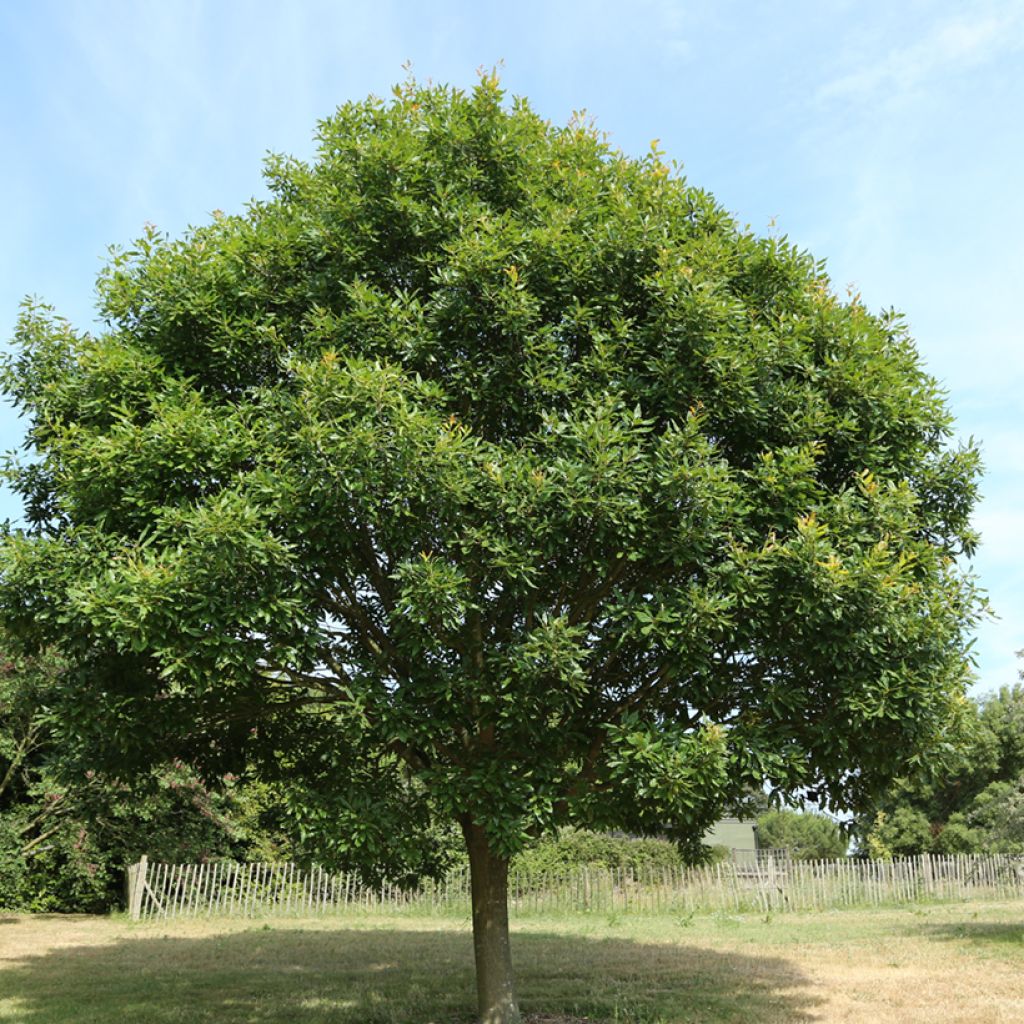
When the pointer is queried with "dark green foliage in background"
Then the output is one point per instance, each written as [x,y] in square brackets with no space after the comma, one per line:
[806,835]
[573,848]
[972,801]
[66,832]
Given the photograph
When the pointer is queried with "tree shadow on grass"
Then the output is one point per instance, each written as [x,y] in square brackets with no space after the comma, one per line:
[353,976]
[1003,934]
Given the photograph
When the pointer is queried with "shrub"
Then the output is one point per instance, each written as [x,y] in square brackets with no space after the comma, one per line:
[807,836]
[573,848]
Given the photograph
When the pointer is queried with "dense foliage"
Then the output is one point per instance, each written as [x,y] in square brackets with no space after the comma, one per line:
[66,832]
[804,834]
[575,848]
[485,474]
[974,803]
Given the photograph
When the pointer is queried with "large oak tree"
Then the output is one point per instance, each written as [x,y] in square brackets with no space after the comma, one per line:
[486,473]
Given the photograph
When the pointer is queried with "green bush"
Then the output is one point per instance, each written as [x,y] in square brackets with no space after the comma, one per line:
[573,848]
[718,854]
[72,860]
[904,832]
[67,830]
[957,836]
[807,836]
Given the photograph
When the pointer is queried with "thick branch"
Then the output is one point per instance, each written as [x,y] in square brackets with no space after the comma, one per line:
[643,691]
[48,809]
[373,638]
[589,603]
[39,839]
[338,690]
[381,581]
[18,757]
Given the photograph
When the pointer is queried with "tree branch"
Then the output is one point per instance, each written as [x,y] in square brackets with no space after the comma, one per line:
[26,745]
[367,631]
[39,839]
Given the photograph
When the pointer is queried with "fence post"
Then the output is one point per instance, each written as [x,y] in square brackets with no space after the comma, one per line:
[929,874]
[136,883]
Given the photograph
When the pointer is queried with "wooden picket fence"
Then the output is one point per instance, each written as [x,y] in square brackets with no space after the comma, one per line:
[157,890]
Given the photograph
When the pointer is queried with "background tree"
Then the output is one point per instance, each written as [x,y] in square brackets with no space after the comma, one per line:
[483,472]
[577,848]
[969,799]
[806,835]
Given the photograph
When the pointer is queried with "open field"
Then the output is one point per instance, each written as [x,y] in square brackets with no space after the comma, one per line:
[958,963]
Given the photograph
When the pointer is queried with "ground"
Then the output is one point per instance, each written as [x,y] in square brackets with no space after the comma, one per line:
[957,963]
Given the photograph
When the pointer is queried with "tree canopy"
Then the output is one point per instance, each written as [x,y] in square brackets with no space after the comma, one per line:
[484,472]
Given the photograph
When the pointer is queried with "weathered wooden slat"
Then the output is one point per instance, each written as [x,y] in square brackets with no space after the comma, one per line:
[186,890]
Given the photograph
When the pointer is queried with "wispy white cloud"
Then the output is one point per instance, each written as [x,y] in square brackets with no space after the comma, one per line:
[972,37]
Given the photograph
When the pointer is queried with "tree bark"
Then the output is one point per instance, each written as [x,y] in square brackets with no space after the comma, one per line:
[495,988]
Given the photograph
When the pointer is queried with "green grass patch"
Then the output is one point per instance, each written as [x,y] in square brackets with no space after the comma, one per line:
[371,969]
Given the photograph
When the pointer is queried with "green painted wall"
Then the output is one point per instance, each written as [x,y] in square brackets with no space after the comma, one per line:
[736,835]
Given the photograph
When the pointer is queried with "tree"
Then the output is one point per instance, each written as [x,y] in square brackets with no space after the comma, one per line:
[806,835]
[576,848]
[997,815]
[485,473]
[967,799]
[1002,715]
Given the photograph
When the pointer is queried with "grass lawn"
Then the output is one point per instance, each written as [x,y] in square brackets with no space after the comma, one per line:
[940,963]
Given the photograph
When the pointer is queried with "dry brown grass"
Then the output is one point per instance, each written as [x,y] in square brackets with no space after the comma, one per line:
[935,974]
[962,964]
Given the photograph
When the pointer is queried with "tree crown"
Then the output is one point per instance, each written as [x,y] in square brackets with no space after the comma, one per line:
[499,472]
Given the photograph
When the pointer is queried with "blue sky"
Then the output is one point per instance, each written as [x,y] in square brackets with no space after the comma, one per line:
[883,137]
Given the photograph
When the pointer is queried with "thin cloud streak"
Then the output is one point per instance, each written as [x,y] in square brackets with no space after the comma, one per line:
[962,42]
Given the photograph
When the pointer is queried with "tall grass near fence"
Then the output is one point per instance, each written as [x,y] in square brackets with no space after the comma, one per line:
[192,890]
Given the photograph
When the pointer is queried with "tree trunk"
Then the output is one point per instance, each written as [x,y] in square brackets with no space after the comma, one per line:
[495,990]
